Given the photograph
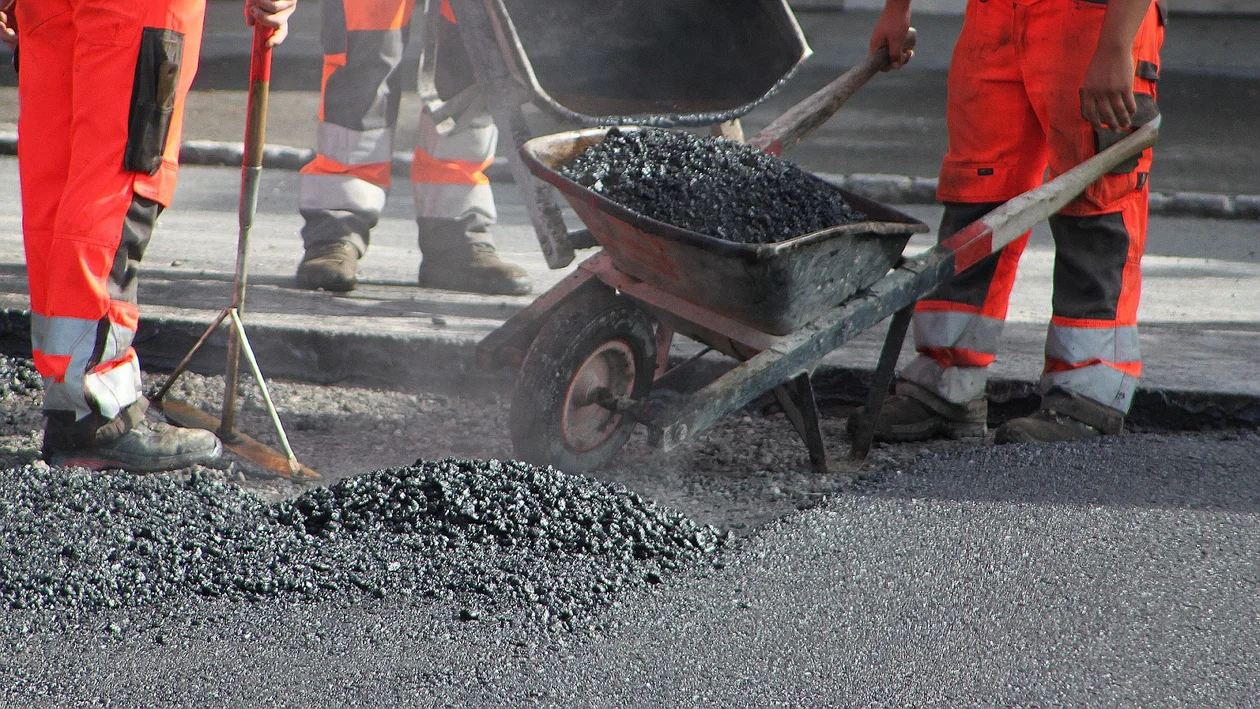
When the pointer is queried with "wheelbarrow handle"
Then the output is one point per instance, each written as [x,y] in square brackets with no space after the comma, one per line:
[993,231]
[789,129]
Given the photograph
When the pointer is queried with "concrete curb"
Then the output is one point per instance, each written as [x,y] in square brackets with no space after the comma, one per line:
[368,360]
[889,189]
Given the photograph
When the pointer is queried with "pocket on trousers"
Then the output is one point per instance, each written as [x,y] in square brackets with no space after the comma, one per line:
[1125,177]
[153,99]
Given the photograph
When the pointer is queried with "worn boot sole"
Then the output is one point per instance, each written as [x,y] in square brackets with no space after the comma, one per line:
[930,431]
[1037,432]
[926,430]
[94,461]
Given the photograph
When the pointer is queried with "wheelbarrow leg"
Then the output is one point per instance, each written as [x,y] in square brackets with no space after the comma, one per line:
[880,384]
[797,399]
[540,202]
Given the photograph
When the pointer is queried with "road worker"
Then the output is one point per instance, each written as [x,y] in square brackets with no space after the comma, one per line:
[342,191]
[101,87]
[1036,84]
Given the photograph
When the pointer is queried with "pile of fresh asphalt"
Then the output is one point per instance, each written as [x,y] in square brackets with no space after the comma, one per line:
[18,378]
[709,185]
[487,535]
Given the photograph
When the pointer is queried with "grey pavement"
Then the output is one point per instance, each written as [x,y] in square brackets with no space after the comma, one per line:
[1200,310]
[1209,94]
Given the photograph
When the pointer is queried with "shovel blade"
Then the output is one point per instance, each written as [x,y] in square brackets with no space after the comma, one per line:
[188,416]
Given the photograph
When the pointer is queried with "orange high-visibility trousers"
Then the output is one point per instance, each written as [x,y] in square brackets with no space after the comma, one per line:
[101,89]
[342,191]
[1014,115]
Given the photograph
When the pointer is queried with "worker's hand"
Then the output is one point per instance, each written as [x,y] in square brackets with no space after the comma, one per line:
[1107,94]
[271,13]
[891,31]
[8,29]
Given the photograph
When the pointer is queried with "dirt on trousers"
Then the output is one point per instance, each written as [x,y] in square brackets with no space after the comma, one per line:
[709,185]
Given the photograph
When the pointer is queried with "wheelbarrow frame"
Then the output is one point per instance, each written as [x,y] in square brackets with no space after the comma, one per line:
[782,365]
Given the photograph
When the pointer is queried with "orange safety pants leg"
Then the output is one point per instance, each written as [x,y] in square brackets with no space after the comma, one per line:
[454,200]
[342,191]
[101,89]
[1014,111]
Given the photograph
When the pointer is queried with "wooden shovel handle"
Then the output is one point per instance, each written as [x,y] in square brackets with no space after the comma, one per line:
[789,129]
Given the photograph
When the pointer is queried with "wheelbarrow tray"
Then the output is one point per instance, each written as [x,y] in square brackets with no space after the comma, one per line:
[774,288]
[683,62]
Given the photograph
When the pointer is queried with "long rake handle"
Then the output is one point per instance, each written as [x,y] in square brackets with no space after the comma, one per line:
[251,171]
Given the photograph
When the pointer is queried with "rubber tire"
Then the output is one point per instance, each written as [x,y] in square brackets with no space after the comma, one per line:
[575,330]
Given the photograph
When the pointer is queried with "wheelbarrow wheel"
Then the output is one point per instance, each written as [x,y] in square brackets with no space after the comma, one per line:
[591,352]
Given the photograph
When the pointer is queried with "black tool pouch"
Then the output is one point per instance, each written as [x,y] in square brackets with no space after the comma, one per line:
[1147,110]
[153,99]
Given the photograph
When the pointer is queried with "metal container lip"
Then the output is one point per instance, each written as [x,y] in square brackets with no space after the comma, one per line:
[523,69]
[542,155]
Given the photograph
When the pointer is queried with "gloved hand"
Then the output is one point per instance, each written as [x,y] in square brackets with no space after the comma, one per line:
[271,13]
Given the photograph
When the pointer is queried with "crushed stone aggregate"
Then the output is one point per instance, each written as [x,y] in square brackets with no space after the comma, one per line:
[709,185]
[479,533]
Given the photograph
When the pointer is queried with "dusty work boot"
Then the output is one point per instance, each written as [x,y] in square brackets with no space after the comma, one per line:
[145,447]
[1064,417]
[330,266]
[458,255]
[917,414]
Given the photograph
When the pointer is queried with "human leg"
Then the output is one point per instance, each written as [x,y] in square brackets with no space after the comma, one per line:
[454,202]
[342,191]
[99,165]
[1092,356]
[996,151]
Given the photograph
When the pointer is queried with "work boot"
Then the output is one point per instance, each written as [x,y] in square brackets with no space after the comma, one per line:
[1064,417]
[147,447]
[457,254]
[917,414]
[330,266]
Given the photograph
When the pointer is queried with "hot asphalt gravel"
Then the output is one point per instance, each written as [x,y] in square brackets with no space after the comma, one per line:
[710,186]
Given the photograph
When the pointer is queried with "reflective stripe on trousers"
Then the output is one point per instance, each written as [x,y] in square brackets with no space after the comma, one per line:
[1099,359]
[448,171]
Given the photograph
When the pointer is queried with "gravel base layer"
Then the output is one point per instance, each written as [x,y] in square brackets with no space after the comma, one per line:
[483,535]
[710,186]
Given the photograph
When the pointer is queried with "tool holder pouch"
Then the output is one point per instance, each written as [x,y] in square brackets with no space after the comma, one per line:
[1147,110]
[153,99]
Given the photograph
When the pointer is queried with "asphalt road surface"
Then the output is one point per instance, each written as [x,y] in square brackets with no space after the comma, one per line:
[1121,573]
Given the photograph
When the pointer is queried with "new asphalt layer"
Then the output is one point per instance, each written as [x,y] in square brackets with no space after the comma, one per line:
[1121,574]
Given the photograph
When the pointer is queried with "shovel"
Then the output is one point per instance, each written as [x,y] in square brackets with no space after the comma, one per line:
[284,464]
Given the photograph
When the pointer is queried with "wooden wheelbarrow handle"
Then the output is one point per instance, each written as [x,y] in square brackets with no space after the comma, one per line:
[993,231]
[789,129]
